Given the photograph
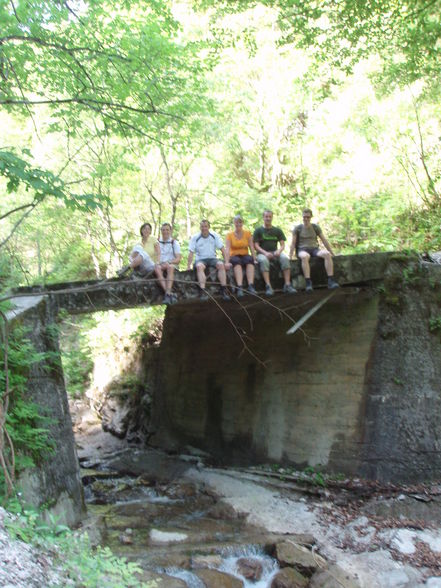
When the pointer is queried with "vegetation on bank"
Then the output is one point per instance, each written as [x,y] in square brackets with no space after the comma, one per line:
[75,561]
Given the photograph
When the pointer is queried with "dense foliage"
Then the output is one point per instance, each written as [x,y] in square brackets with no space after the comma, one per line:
[115,114]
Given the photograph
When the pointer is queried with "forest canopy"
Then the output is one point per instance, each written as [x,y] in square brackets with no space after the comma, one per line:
[114,113]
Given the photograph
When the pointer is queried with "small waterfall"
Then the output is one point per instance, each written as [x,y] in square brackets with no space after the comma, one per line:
[229,565]
[269,565]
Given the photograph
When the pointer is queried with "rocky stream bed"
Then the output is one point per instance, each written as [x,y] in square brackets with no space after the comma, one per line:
[190,524]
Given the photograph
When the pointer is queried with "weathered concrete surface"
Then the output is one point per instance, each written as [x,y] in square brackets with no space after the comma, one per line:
[94,295]
[402,439]
[303,404]
[56,481]
[358,391]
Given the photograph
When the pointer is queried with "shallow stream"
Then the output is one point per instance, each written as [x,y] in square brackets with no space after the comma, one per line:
[147,512]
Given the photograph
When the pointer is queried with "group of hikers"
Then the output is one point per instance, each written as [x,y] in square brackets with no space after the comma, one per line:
[242,252]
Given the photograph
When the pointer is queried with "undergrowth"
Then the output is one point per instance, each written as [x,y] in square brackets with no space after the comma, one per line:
[75,560]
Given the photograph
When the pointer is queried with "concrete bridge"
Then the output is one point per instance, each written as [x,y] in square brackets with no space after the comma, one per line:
[356,391]
[113,294]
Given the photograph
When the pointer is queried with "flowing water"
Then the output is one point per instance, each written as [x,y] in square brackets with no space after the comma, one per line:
[148,513]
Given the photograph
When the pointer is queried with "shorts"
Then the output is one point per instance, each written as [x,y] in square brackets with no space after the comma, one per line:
[264,262]
[208,262]
[242,260]
[144,270]
[313,251]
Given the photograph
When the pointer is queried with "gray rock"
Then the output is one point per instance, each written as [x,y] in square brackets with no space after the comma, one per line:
[289,553]
[216,579]
[250,568]
[333,577]
[289,578]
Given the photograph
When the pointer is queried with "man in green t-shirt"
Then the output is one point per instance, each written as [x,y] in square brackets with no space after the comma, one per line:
[269,243]
[305,243]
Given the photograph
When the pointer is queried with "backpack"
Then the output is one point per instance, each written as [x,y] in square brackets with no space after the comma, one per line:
[297,230]
[172,244]
[209,234]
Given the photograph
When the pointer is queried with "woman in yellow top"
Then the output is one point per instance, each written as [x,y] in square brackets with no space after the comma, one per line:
[144,257]
[238,244]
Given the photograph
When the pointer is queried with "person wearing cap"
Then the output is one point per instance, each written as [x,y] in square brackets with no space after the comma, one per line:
[305,243]
[203,246]
[269,243]
[238,245]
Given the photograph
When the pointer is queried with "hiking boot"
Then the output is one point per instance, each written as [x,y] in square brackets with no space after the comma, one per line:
[225,294]
[167,299]
[309,287]
[288,289]
[268,290]
[203,295]
[251,289]
[332,284]
[240,293]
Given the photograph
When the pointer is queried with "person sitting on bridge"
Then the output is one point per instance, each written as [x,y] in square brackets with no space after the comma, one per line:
[238,242]
[144,255]
[170,256]
[305,243]
[205,245]
[265,240]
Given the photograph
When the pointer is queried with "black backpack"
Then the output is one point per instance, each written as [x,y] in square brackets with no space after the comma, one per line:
[172,244]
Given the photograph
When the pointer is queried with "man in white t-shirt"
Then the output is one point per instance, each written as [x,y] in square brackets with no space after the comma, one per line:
[170,256]
[203,247]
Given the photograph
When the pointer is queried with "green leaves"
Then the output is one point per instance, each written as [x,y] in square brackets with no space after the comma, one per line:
[43,183]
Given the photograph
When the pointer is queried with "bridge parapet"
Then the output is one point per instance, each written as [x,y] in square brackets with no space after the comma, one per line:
[112,294]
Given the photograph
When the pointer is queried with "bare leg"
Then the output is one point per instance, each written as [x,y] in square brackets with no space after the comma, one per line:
[266,278]
[160,276]
[305,257]
[202,278]
[221,273]
[287,276]
[250,273]
[170,278]
[238,275]
[329,264]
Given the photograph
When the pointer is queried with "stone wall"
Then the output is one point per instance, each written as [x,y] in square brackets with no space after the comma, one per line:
[56,482]
[358,391]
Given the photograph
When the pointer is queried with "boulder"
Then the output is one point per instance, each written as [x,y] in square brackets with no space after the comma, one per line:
[289,578]
[250,568]
[206,561]
[333,577]
[291,554]
[216,579]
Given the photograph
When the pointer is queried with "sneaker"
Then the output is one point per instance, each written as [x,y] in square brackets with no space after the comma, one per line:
[309,287]
[240,293]
[268,290]
[332,284]
[288,289]
[167,299]
[225,294]
[251,289]
[203,295]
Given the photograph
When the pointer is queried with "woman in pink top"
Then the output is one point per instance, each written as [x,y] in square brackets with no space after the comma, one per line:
[238,244]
